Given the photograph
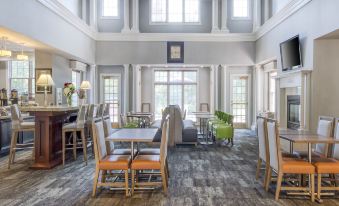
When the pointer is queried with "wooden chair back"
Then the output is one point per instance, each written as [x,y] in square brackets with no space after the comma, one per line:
[274,144]
[106,109]
[100,110]
[262,138]
[325,128]
[204,107]
[146,107]
[16,116]
[81,117]
[335,153]
[99,144]
[108,131]
[164,140]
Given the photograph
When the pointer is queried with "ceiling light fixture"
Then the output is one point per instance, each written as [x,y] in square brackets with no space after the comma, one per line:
[3,50]
[22,56]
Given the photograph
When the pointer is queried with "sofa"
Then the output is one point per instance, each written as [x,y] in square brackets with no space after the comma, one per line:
[180,131]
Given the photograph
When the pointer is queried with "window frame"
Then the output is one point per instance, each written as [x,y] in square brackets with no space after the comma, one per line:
[173,23]
[102,92]
[109,17]
[249,17]
[31,69]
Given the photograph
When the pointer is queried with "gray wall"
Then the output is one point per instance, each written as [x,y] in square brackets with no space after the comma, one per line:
[112,53]
[314,20]
[111,25]
[47,28]
[237,25]
[75,6]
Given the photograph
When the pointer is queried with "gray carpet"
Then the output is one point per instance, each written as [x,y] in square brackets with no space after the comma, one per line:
[202,175]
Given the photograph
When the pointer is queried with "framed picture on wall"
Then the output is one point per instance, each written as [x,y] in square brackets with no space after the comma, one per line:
[175,52]
[40,89]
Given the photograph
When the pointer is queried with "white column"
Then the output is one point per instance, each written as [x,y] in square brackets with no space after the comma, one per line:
[93,14]
[126,88]
[224,16]
[212,90]
[215,16]
[136,88]
[126,27]
[266,10]
[216,87]
[84,10]
[135,26]
[256,14]
[225,85]
[93,98]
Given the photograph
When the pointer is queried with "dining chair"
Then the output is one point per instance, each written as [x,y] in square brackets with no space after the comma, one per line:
[74,128]
[105,162]
[153,162]
[19,125]
[328,166]
[204,107]
[325,128]
[283,166]
[100,111]
[263,155]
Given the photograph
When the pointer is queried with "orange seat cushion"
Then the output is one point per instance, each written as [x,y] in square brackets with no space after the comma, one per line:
[144,162]
[149,151]
[326,166]
[115,162]
[297,166]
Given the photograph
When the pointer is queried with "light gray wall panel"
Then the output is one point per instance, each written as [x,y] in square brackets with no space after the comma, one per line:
[46,27]
[110,53]
[237,25]
[75,6]
[111,25]
[314,20]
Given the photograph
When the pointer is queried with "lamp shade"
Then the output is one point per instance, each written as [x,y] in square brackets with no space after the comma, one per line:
[85,85]
[45,80]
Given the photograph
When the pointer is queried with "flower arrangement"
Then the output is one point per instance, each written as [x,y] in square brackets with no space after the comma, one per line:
[69,90]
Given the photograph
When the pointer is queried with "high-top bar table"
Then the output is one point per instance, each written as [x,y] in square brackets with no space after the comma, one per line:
[48,134]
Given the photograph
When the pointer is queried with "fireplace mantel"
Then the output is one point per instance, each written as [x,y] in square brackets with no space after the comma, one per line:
[297,82]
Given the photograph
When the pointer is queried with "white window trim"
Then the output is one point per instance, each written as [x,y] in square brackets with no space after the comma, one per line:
[154,23]
[109,17]
[167,83]
[249,17]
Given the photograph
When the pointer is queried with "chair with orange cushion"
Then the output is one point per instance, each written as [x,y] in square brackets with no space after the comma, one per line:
[153,162]
[328,165]
[105,162]
[283,165]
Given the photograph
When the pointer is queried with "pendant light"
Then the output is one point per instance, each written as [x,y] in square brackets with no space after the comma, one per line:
[3,50]
[22,56]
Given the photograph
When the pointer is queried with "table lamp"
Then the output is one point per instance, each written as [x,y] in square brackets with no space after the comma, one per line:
[85,85]
[45,80]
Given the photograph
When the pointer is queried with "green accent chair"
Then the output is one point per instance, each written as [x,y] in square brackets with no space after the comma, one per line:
[222,128]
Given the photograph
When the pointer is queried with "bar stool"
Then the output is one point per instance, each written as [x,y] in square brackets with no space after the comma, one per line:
[73,128]
[18,125]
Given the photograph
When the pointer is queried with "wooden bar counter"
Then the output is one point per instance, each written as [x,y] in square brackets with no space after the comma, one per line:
[48,133]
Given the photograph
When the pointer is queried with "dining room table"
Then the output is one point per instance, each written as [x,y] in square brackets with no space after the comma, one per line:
[133,135]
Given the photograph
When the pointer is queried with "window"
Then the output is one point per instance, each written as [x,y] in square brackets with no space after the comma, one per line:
[76,81]
[175,87]
[241,9]
[111,95]
[22,77]
[175,11]
[110,8]
[239,101]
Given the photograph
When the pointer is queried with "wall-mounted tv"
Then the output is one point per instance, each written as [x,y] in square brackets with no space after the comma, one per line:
[290,54]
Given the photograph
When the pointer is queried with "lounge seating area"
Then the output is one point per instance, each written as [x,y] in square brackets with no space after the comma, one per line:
[169,102]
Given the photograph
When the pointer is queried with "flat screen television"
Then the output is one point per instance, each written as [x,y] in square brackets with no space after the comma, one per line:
[290,54]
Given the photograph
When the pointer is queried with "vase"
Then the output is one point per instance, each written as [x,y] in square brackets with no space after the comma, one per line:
[69,100]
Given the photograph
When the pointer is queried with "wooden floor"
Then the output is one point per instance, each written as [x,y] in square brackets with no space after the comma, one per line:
[212,175]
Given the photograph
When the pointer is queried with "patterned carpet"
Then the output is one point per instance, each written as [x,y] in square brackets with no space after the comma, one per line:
[202,175]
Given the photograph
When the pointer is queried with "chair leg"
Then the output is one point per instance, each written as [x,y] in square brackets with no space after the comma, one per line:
[133,183]
[95,183]
[11,149]
[126,183]
[267,167]
[103,176]
[258,168]
[33,151]
[63,147]
[277,192]
[163,177]
[14,146]
[168,174]
[319,187]
[84,145]
[75,145]
[312,187]
[268,179]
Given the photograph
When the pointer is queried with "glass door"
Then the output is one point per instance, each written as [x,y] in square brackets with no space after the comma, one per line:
[111,95]
[239,101]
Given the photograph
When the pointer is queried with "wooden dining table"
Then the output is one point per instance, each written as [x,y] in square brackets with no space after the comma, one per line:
[133,135]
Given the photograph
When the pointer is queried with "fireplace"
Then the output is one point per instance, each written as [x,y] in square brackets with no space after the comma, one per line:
[293,111]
